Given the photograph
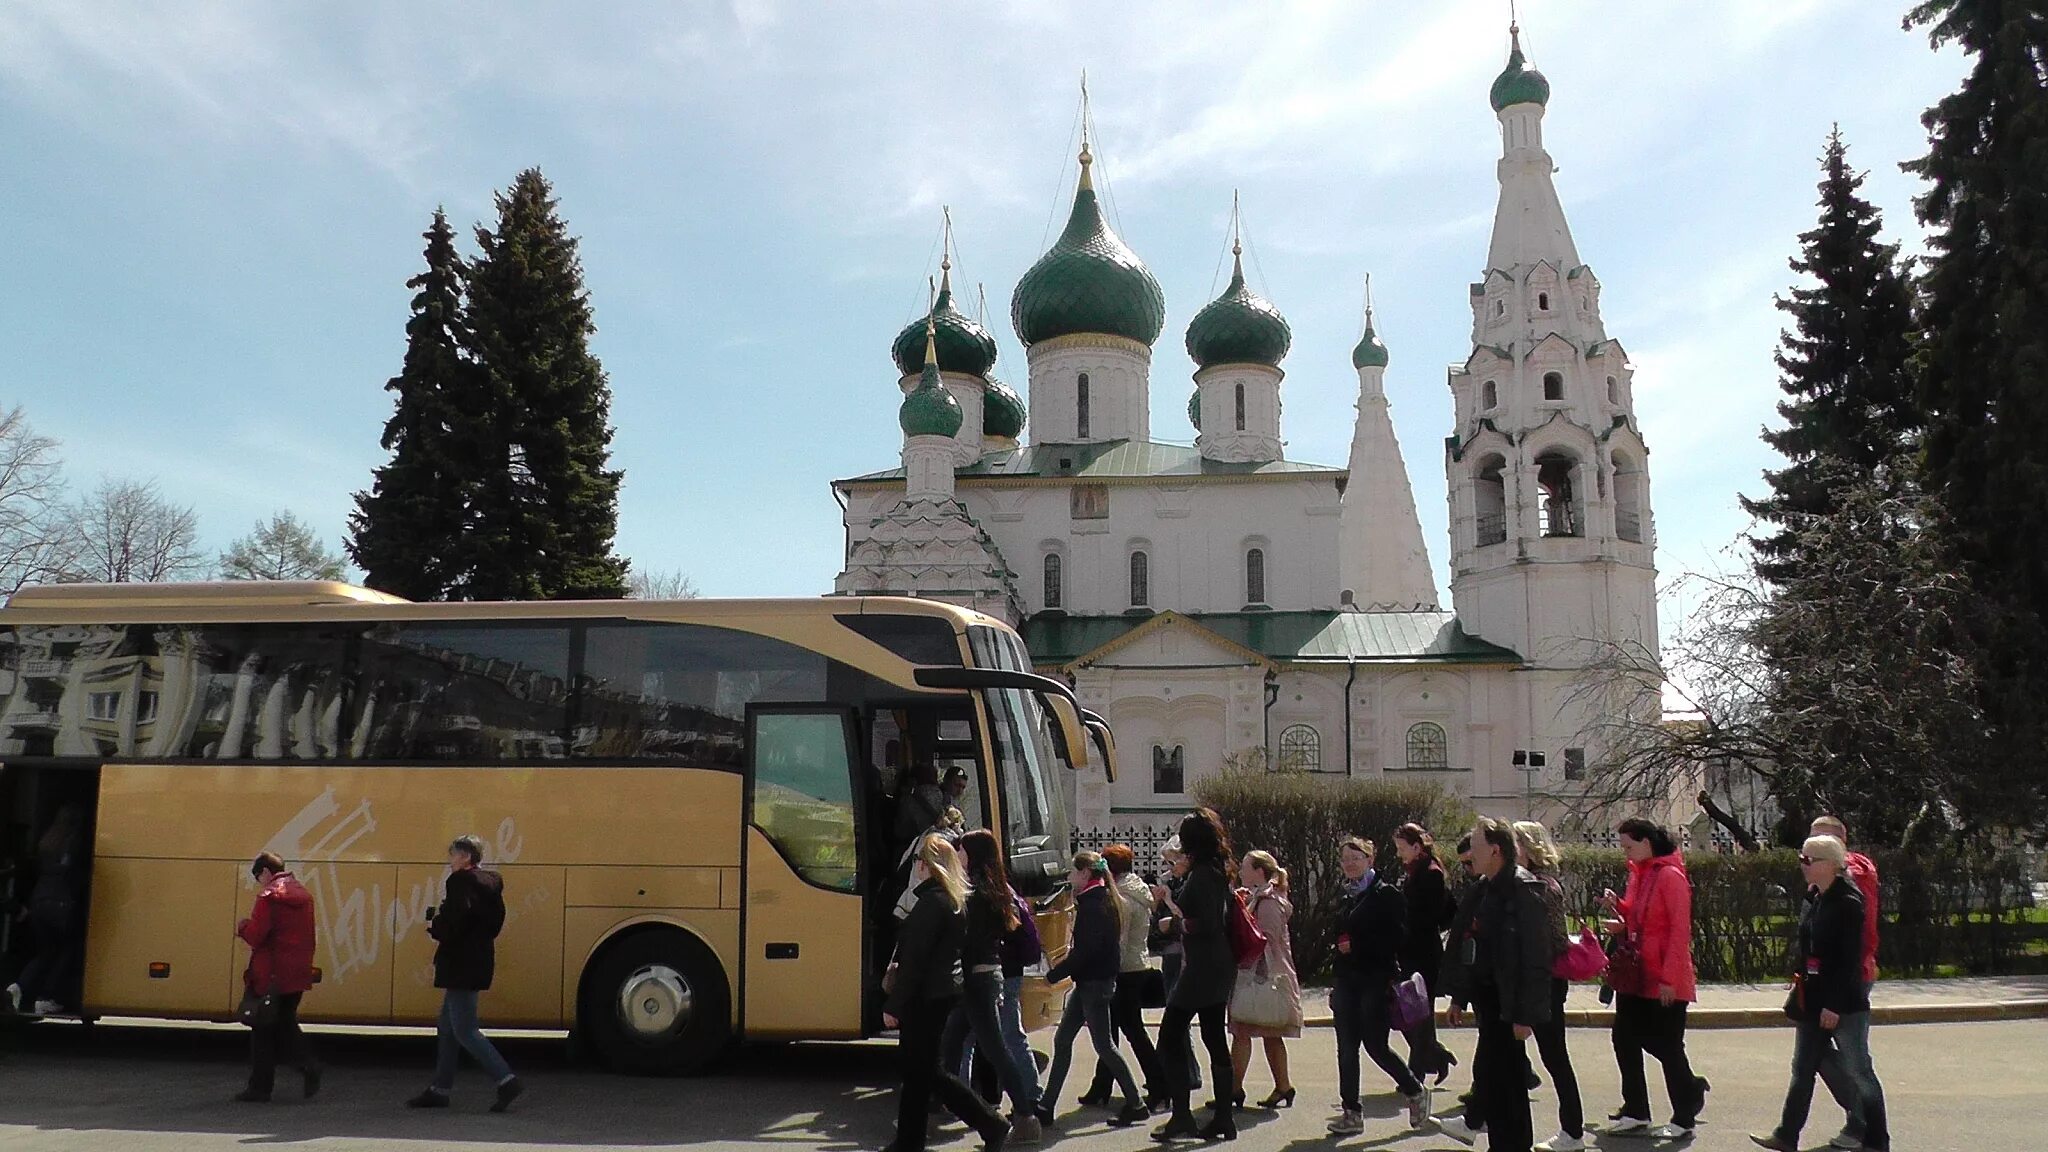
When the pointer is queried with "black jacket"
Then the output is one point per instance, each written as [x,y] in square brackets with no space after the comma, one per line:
[1457,978]
[1209,971]
[927,952]
[1509,948]
[467,926]
[981,939]
[1831,950]
[1428,901]
[1097,949]
[1376,920]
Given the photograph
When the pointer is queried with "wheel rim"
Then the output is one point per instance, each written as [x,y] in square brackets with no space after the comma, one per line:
[655,1002]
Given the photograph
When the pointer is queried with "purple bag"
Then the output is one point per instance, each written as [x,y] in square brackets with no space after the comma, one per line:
[1412,1003]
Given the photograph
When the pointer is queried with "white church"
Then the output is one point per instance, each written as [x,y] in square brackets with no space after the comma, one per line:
[1222,602]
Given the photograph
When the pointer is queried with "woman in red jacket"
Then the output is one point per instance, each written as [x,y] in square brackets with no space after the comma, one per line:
[280,936]
[1650,1016]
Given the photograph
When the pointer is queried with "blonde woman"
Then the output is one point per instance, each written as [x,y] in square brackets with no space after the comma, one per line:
[1536,851]
[1265,893]
[924,989]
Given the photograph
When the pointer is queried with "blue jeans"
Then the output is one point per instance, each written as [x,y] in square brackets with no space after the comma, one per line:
[1088,1004]
[979,1016]
[1849,1047]
[1016,1045]
[1847,1088]
[458,1028]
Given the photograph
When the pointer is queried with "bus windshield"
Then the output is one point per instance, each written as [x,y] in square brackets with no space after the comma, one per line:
[1034,810]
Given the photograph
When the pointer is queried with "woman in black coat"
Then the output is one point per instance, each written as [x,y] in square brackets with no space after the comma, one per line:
[1427,893]
[1207,977]
[924,987]
[1372,928]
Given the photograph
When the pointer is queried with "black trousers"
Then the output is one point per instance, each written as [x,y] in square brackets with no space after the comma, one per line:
[1500,1077]
[1645,1025]
[1175,1052]
[1557,1060]
[918,1046]
[276,1037]
[1127,1013]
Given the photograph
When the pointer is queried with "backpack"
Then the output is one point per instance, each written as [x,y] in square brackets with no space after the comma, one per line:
[1247,942]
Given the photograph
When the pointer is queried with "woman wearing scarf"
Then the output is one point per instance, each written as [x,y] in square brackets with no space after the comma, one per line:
[1371,930]
[1091,962]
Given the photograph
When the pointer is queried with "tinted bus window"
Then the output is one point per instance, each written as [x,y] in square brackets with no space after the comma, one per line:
[803,794]
[484,692]
[251,692]
[679,692]
[918,639]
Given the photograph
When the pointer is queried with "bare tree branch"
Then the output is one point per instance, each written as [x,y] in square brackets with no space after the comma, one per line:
[36,540]
[127,532]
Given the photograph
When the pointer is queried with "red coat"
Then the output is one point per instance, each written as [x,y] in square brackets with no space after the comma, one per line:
[279,932]
[1864,873]
[1659,906]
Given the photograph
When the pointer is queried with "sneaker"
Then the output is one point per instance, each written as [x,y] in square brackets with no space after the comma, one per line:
[1847,1140]
[14,998]
[1671,1132]
[1627,1126]
[48,1008]
[1456,1128]
[1349,1122]
[1025,1129]
[428,1099]
[1563,1142]
[1418,1110]
[507,1093]
[1774,1142]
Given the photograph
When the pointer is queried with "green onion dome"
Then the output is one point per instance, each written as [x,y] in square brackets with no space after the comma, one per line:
[1239,327]
[1518,83]
[1370,353]
[1195,409]
[929,410]
[1002,411]
[1089,281]
[963,344]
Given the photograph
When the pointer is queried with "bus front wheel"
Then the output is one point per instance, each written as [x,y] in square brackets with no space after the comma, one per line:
[656,1003]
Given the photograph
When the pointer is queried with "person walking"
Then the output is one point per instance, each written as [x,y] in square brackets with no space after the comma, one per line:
[1091,963]
[924,986]
[1136,906]
[1830,1001]
[1537,852]
[280,934]
[1845,1083]
[1654,920]
[1206,980]
[991,915]
[1465,1125]
[465,930]
[1507,958]
[1426,893]
[1166,936]
[1372,928]
[1266,1005]
[54,904]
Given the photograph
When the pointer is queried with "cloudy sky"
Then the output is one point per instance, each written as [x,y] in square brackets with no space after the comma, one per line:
[208,212]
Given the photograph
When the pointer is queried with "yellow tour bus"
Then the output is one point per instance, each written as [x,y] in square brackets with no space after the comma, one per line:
[700,807]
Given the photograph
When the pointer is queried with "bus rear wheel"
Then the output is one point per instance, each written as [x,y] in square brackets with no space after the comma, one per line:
[656,1003]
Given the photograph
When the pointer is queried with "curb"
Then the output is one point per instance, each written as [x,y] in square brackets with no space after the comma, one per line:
[1973,1012]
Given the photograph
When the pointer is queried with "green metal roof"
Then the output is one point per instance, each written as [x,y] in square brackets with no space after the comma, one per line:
[1114,459]
[1089,281]
[963,344]
[1302,637]
[1518,83]
[929,410]
[1239,327]
[1370,353]
[1002,411]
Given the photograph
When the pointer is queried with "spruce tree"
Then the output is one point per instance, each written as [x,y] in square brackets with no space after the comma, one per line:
[1984,364]
[406,533]
[546,505]
[1845,368]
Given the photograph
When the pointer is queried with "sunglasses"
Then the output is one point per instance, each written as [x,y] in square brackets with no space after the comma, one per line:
[1805,859]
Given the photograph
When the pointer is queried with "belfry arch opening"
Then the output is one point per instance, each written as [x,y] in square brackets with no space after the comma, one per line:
[1490,500]
[1560,509]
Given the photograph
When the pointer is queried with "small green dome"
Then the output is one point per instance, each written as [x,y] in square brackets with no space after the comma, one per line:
[1195,409]
[1239,327]
[929,410]
[964,345]
[1370,353]
[1002,411]
[1088,281]
[1518,83]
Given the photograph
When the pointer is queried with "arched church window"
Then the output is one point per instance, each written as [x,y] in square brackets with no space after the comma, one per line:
[1614,391]
[1543,301]
[1240,407]
[1489,395]
[1169,774]
[1556,482]
[1428,749]
[1490,501]
[1500,308]
[1081,407]
[1255,576]
[1553,386]
[1301,749]
[1141,580]
[1055,579]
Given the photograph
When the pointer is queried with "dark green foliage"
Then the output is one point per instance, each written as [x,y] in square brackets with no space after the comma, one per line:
[1845,366]
[1299,818]
[1984,360]
[406,533]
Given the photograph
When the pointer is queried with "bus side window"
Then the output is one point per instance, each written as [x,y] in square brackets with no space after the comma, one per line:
[803,793]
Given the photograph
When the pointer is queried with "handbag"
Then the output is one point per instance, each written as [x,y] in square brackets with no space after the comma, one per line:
[1247,942]
[1582,959]
[1625,972]
[1412,1004]
[254,1010]
[1262,999]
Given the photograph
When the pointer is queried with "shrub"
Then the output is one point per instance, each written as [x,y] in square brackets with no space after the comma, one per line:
[1300,817]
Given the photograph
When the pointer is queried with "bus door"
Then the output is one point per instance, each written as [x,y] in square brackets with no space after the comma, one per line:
[48,815]
[800,917]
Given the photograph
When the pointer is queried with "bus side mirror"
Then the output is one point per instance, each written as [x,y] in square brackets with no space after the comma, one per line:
[1105,744]
[1073,734]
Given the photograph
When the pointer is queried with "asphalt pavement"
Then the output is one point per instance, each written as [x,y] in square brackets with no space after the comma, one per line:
[1951,1087]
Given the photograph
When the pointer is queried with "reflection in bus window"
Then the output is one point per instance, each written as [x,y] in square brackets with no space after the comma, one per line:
[1023,751]
[803,794]
[462,692]
[679,692]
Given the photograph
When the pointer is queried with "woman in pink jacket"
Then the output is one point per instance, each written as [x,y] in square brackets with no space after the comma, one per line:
[1650,1017]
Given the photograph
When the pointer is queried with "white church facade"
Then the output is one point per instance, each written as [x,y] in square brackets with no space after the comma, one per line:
[1222,603]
